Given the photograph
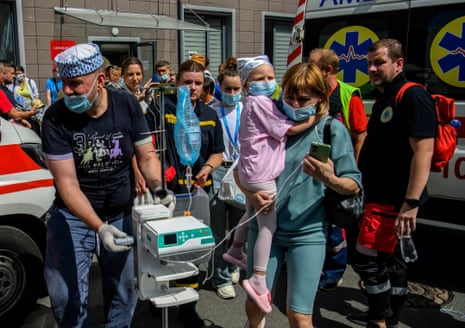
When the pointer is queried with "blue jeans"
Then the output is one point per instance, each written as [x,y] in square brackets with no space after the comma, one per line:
[70,247]
[224,217]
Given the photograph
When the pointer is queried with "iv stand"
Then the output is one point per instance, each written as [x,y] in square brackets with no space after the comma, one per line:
[163,191]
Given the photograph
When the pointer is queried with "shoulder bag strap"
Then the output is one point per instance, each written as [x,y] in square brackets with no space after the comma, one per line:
[327,131]
[56,85]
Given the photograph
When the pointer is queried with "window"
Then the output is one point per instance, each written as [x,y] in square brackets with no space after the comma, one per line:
[435,49]
[216,45]
[277,37]
[8,51]
[350,40]
[432,38]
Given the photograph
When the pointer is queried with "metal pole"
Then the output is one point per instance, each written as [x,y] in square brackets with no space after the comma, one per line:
[162,139]
[164,317]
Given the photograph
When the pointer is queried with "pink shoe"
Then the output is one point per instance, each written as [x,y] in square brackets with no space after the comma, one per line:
[242,263]
[263,301]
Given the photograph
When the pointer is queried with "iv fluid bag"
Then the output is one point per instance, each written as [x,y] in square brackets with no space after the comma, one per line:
[187,136]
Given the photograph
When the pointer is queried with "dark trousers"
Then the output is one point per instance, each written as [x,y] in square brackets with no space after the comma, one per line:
[385,278]
[336,254]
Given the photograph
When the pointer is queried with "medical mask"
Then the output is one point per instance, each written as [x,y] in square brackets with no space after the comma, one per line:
[20,77]
[230,99]
[164,77]
[80,104]
[261,88]
[299,113]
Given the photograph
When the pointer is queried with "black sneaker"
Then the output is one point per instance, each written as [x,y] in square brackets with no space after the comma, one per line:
[361,318]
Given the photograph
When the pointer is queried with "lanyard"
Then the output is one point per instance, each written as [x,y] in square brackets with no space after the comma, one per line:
[234,141]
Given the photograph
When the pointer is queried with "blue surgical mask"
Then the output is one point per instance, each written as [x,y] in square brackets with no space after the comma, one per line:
[80,104]
[261,88]
[230,99]
[164,77]
[299,113]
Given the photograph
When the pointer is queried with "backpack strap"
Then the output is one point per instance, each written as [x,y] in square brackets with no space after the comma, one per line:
[401,91]
[327,131]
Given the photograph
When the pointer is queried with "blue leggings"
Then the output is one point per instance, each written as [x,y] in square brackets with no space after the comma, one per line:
[304,263]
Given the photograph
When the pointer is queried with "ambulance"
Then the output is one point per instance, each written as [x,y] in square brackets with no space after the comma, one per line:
[26,194]
[433,35]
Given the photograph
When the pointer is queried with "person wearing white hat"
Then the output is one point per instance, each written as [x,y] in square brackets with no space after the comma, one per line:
[89,138]
[263,133]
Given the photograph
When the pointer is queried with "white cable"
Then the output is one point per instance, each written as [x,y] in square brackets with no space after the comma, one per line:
[208,276]
[211,253]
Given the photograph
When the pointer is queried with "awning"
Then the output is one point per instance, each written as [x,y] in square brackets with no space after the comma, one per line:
[111,18]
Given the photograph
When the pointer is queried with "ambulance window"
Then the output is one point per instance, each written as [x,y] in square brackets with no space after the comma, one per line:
[350,37]
[435,50]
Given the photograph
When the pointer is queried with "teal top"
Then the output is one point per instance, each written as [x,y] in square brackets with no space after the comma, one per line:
[301,215]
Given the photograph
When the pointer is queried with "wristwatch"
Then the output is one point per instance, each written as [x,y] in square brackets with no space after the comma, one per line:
[412,202]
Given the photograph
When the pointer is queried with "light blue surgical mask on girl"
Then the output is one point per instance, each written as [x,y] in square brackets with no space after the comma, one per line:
[262,88]
[80,104]
[164,77]
[299,113]
[230,99]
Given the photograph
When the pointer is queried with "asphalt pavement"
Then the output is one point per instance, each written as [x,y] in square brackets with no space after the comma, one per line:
[331,309]
[438,272]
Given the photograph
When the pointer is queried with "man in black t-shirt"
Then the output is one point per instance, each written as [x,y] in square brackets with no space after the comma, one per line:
[395,163]
[89,138]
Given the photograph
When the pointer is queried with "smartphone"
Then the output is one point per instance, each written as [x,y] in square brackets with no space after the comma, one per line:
[320,151]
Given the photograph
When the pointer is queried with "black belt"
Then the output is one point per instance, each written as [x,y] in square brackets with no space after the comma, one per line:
[227,164]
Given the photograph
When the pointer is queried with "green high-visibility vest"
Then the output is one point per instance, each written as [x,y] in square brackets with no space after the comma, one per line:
[345,93]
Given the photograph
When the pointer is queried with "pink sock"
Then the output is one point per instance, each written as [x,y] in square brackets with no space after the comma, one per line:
[236,252]
[258,283]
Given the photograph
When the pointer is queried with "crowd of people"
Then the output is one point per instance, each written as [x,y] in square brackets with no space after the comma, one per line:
[97,131]
[13,94]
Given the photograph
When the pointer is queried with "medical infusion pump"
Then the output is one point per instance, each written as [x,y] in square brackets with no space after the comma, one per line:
[170,238]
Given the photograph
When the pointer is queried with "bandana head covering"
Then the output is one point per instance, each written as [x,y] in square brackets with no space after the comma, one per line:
[79,60]
[247,64]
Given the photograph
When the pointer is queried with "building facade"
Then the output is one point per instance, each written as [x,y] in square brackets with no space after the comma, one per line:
[233,27]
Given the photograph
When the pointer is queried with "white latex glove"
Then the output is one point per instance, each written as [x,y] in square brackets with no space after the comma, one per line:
[107,233]
[168,199]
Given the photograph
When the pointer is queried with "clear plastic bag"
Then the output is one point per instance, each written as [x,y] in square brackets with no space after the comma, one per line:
[187,135]
[229,191]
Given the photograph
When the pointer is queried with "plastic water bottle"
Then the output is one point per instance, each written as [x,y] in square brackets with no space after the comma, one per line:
[187,135]
[407,247]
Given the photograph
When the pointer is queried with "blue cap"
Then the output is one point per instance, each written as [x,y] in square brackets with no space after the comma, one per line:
[79,60]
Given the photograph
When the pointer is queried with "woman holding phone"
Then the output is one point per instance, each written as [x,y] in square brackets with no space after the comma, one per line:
[300,237]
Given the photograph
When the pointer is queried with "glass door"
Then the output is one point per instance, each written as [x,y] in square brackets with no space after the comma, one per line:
[146,52]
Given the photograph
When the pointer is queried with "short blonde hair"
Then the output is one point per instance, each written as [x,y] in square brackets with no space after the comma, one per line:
[304,77]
